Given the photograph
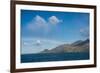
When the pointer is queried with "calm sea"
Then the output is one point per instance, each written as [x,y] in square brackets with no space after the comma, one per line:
[53,57]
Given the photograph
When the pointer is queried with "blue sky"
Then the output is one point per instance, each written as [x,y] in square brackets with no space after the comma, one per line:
[59,27]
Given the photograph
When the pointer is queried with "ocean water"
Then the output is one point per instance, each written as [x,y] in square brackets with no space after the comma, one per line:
[45,57]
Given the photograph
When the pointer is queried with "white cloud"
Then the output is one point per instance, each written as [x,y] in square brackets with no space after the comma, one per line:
[85,32]
[25,43]
[38,42]
[37,23]
[54,20]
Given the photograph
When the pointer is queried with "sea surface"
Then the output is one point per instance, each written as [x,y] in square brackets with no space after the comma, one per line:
[45,57]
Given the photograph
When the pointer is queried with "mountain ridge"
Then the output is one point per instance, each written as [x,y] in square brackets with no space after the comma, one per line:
[77,46]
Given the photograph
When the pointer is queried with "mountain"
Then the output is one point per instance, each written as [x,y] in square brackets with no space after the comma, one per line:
[77,42]
[78,46]
[80,42]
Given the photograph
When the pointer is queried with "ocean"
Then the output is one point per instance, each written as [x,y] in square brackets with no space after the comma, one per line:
[45,57]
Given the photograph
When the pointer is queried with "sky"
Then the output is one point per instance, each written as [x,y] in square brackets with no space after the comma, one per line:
[47,29]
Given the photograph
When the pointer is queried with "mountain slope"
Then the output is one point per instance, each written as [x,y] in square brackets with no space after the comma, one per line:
[78,46]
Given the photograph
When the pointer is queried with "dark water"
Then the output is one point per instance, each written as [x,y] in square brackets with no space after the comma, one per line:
[53,57]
